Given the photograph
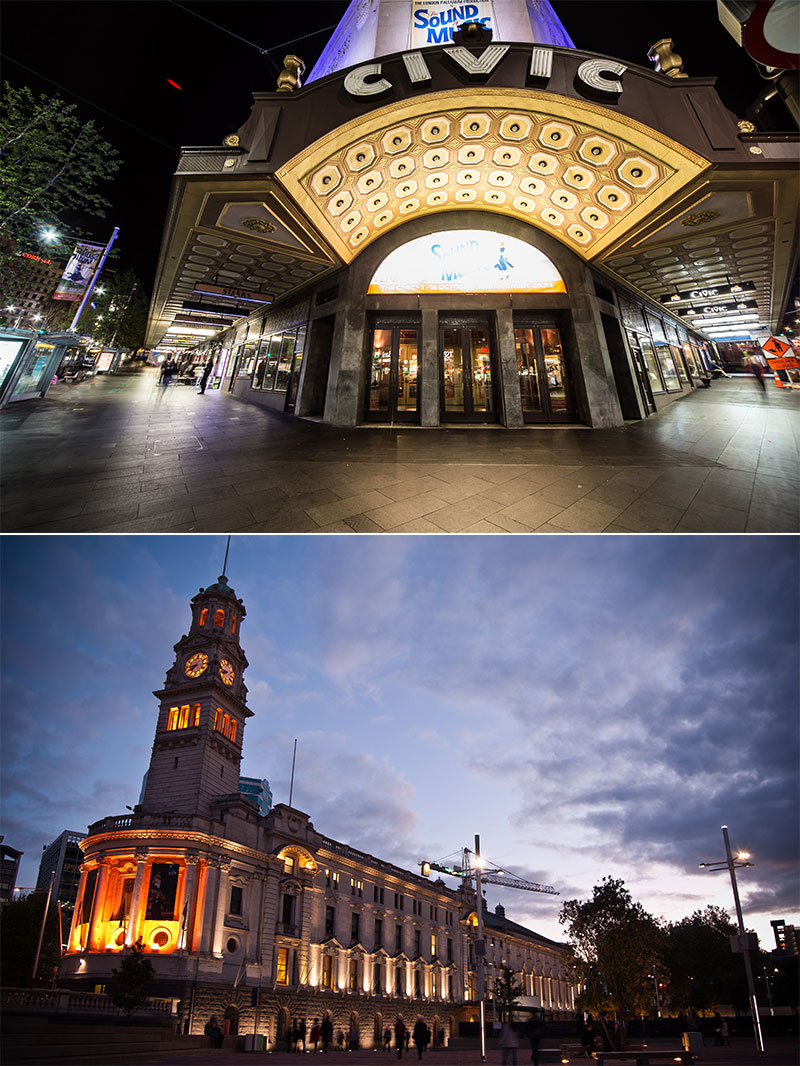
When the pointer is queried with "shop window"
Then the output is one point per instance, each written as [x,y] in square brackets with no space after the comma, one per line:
[236,900]
[282,975]
[219,618]
[203,616]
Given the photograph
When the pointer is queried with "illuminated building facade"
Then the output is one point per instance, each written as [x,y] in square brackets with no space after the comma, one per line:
[462,218]
[261,919]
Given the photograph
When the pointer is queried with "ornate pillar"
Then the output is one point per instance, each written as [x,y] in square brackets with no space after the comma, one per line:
[97,906]
[200,894]
[218,930]
[74,924]
[187,908]
[138,897]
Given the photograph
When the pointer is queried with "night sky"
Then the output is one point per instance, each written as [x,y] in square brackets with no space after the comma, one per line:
[591,706]
[115,58]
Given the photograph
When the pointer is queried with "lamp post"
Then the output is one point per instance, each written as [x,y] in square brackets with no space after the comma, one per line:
[731,863]
[50,236]
[480,946]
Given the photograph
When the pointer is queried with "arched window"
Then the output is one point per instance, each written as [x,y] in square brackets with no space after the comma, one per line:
[233,623]
[219,617]
[203,616]
[233,729]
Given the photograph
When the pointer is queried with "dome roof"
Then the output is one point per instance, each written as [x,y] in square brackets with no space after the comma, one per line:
[220,588]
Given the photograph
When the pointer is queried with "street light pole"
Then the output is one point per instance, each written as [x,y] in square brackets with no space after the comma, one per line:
[480,947]
[748,968]
[731,863]
[92,283]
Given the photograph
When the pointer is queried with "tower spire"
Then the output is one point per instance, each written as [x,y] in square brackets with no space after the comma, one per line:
[225,563]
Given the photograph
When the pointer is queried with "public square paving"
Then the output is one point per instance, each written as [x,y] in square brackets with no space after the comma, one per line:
[123,454]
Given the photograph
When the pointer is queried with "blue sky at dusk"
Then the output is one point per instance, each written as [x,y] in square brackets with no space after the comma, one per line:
[591,706]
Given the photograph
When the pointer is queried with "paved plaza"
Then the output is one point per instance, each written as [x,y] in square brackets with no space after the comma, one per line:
[123,454]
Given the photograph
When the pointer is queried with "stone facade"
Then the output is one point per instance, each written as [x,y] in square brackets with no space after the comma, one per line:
[262,920]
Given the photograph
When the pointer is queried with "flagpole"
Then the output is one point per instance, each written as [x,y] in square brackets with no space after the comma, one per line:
[92,283]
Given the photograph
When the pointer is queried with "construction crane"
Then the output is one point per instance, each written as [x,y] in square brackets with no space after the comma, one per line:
[495,876]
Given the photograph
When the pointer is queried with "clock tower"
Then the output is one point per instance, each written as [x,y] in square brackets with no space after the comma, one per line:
[197,749]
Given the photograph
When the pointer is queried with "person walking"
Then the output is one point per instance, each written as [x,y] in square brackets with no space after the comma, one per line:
[420,1036]
[534,1034]
[509,1043]
[326,1031]
[399,1035]
[206,375]
[717,1029]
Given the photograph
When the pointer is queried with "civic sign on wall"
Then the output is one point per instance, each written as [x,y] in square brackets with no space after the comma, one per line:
[433,21]
[466,261]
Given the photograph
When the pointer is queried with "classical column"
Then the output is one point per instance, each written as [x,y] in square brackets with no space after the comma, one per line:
[187,908]
[200,895]
[218,931]
[138,897]
[97,906]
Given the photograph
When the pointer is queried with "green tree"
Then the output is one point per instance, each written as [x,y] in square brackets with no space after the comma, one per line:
[507,992]
[129,986]
[20,926]
[703,970]
[53,164]
[119,316]
[614,945]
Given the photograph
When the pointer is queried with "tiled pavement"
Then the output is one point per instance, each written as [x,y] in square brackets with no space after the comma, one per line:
[121,454]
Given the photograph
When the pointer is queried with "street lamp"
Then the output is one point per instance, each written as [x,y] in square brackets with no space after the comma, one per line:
[731,863]
[49,236]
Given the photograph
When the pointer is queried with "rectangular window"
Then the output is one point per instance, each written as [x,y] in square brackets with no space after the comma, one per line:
[398,981]
[378,932]
[398,938]
[356,887]
[327,971]
[449,950]
[434,946]
[183,719]
[288,910]
[435,985]
[434,913]
[355,922]
[282,976]
[196,714]
[172,721]
[377,893]
[354,975]
[236,900]
[285,361]
[330,918]
[272,360]
[399,900]
[417,943]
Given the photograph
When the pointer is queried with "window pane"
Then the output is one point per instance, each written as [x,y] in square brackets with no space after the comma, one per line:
[453,358]
[481,370]
[407,371]
[652,366]
[285,362]
[556,371]
[272,360]
[261,365]
[380,370]
[526,363]
[668,368]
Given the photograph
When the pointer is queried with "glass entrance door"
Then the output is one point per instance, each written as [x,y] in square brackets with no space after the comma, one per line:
[392,392]
[466,377]
[544,382]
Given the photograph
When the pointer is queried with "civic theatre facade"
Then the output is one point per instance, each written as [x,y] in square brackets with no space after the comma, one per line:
[472,231]
[261,919]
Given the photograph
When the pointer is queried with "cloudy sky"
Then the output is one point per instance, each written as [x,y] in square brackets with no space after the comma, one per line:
[591,706]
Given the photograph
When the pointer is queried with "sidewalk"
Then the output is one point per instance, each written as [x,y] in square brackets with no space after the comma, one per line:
[122,454]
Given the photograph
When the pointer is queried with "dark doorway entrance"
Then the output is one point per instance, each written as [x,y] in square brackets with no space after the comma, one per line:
[467,370]
[393,373]
[544,379]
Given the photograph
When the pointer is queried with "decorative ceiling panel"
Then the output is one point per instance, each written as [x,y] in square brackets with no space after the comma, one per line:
[571,168]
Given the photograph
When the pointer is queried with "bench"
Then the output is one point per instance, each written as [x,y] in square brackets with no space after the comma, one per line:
[643,1056]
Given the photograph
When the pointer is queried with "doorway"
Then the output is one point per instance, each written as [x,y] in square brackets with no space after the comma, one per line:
[466,370]
[545,384]
[392,394]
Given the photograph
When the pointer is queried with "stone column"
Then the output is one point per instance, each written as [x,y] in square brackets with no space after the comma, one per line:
[218,930]
[428,356]
[187,908]
[93,938]
[508,385]
[344,398]
[138,896]
[79,908]
[198,917]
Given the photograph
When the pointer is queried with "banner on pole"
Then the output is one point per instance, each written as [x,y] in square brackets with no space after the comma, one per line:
[78,272]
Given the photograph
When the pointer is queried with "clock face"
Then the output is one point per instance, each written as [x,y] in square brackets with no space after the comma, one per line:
[226,672]
[196,664]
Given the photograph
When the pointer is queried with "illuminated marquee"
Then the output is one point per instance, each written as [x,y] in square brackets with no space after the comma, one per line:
[466,261]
